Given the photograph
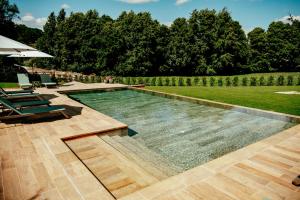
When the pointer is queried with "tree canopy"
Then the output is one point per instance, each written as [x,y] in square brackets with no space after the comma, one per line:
[134,44]
[209,42]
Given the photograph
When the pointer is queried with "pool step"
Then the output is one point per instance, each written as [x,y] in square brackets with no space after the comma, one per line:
[147,154]
[120,175]
[151,162]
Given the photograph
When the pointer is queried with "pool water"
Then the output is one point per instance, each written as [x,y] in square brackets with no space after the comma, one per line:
[184,133]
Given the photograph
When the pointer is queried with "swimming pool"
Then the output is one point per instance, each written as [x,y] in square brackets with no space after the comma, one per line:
[185,134]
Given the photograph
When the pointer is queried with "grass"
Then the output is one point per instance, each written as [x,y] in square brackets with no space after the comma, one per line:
[262,97]
[9,85]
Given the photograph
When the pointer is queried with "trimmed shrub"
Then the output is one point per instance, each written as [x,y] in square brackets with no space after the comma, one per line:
[140,80]
[160,81]
[204,81]
[188,81]
[92,79]
[196,81]
[262,81]
[180,81]
[81,78]
[212,81]
[228,81]
[153,81]
[76,78]
[128,81]
[173,81]
[290,80]
[167,81]
[245,81]
[235,81]
[298,81]
[220,82]
[147,81]
[270,81]
[133,80]
[253,81]
[280,80]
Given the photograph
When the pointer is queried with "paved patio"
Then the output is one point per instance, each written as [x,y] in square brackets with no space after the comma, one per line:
[36,163]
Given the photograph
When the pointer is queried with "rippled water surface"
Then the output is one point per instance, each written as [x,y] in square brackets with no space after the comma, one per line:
[185,133]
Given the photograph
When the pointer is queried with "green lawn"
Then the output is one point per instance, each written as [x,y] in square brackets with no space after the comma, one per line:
[9,85]
[255,97]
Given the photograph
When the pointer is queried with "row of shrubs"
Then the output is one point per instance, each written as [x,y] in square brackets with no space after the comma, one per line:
[213,81]
[228,81]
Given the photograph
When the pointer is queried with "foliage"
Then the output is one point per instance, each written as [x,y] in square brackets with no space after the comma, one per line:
[235,81]
[280,80]
[290,80]
[207,43]
[220,82]
[270,81]
[188,81]
[212,81]
[245,81]
[253,81]
[204,81]
[160,83]
[228,81]
[262,81]
[180,81]
[196,80]
[167,81]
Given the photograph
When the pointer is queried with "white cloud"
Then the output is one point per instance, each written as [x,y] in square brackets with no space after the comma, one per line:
[180,2]
[286,20]
[29,20]
[65,6]
[138,1]
[168,24]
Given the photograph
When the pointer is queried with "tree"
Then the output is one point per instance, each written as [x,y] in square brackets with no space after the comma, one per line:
[258,44]
[8,12]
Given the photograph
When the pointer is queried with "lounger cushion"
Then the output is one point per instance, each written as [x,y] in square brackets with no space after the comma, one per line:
[38,110]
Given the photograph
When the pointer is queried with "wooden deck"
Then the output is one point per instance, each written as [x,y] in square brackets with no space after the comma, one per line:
[37,164]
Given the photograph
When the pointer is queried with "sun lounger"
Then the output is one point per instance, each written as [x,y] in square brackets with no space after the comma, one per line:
[15,91]
[6,95]
[46,80]
[24,81]
[23,104]
[15,112]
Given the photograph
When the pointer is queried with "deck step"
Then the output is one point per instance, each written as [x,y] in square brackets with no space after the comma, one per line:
[125,148]
[120,175]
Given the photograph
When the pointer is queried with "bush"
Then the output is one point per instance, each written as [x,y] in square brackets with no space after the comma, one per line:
[180,81]
[262,81]
[140,80]
[228,81]
[133,80]
[253,81]
[270,81]
[280,80]
[220,82]
[298,82]
[173,81]
[196,81]
[76,78]
[188,81]
[167,82]
[204,81]
[81,78]
[245,81]
[153,81]
[127,80]
[147,81]
[235,81]
[160,82]
[290,80]
[212,81]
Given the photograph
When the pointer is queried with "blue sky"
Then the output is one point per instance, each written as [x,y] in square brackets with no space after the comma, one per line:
[250,13]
